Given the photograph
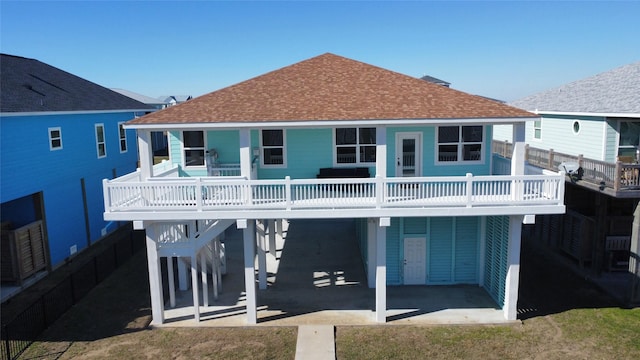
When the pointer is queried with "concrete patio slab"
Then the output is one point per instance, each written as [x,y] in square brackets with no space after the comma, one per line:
[318,279]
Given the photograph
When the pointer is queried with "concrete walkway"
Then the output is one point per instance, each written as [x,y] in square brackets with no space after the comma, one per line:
[315,342]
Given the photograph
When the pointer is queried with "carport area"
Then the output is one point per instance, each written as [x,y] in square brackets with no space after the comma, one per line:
[318,277]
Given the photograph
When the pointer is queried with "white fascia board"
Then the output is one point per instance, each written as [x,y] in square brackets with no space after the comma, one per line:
[336,213]
[84,112]
[329,123]
[594,114]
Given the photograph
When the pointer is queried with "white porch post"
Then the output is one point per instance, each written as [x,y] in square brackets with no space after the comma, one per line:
[172,284]
[272,237]
[205,280]
[183,282]
[245,153]
[371,252]
[145,153]
[381,270]
[381,151]
[517,158]
[513,268]
[194,286]
[262,254]
[155,278]
[249,243]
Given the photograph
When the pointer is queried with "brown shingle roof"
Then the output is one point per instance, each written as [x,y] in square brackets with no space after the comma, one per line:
[331,87]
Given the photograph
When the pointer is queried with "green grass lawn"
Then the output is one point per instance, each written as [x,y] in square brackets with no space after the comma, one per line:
[111,322]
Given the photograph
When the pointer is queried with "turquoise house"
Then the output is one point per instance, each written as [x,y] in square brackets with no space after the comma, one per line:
[60,136]
[331,138]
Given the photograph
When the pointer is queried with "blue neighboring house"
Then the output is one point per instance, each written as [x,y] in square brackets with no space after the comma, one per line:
[60,135]
[331,138]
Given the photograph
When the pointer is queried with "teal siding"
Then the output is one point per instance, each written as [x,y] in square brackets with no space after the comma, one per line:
[440,246]
[496,251]
[227,145]
[394,253]
[466,250]
[415,226]
[429,167]
[452,252]
[174,138]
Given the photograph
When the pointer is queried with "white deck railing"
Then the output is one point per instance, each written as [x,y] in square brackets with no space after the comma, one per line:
[234,193]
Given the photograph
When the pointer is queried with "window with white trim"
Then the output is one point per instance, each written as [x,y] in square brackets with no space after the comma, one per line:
[123,137]
[55,138]
[101,145]
[194,149]
[272,148]
[537,129]
[460,143]
[355,145]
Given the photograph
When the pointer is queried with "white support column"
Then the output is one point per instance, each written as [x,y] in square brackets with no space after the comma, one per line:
[215,267]
[279,225]
[194,287]
[381,270]
[249,242]
[262,254]
[245,153]
[145,153]
[155,279]
[172,283]
[218,265]
[517,158]
[371,252]
[513,268]
[381,151]
[183,275]
[205,280]
[272,237]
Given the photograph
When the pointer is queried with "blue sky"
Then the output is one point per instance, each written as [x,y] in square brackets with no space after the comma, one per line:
[504,50]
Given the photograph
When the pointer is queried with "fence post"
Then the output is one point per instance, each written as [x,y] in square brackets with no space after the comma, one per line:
[550,165]
[526,152]
[469,189]
[287,192]
[617,177]
[580,160]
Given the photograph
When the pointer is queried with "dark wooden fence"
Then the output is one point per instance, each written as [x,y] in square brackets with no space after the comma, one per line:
[18,333]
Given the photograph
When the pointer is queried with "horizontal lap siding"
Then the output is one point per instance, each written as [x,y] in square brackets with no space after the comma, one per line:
[28,166]
[227,145]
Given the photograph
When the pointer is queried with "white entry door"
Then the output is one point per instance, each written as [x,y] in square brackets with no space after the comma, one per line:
[415,261]
[408,150]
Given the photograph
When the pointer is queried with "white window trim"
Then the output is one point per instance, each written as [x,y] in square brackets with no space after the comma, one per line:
[284,151]
[357,145]
[183,149]
[120,138]
[534,131]
[104,141]
[51,138]
[460,148]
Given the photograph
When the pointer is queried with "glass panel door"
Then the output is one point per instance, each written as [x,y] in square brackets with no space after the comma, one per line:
[408,155]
